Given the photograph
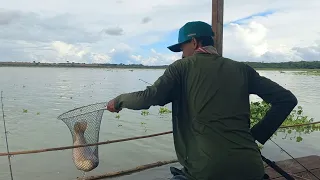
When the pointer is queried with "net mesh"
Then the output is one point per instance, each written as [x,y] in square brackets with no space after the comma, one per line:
[84,125]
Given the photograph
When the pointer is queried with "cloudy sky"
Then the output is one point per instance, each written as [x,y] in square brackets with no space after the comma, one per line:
[139,31]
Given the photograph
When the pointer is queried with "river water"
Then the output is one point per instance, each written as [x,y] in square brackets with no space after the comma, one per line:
[34,97]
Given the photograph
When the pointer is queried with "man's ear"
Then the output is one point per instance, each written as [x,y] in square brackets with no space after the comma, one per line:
[194,43]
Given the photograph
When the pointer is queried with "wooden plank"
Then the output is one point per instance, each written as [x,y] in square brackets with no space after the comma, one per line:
[303,176]
[312,163]
[162,172]
[217,24]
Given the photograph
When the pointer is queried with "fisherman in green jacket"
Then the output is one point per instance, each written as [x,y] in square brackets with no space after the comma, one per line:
[211,109]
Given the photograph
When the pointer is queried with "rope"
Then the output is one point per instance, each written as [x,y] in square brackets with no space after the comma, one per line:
[297,125]
[113,141]
[145,167]
[92,144]
[129,171]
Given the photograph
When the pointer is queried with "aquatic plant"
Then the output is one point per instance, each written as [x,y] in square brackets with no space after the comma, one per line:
[143,124]
[164,110]
[144,113]
[295,118]
[258,111]
[309,73]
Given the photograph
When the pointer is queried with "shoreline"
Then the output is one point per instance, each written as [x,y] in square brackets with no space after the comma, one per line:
[282,66]
[79,65]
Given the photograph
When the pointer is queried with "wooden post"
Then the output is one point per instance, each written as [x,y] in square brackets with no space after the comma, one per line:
[217,24]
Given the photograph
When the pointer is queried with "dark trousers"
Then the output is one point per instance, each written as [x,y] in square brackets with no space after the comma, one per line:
[182,177]
[177,174]
[179,177]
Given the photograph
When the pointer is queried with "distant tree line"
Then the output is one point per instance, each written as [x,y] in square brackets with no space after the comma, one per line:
[286,65]
[259,65]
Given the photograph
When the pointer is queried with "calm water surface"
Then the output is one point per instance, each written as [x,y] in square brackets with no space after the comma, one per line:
[48,92]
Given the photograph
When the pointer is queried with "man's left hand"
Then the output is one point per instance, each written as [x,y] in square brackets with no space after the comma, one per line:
[111,106]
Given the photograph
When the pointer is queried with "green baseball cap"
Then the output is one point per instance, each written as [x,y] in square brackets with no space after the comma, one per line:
[190,30]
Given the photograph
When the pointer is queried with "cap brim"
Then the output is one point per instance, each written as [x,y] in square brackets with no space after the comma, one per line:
[175,48]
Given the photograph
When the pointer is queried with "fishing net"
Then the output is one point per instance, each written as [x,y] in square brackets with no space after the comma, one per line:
[84,125]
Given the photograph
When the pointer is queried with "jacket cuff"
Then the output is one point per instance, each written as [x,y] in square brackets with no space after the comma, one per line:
[118,103]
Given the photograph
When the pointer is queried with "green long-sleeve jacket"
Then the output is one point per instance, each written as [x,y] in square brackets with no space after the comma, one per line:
[210,115]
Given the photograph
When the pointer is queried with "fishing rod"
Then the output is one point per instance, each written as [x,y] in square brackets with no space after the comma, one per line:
[295,160]
[6,136]
[270,163]
[274,166]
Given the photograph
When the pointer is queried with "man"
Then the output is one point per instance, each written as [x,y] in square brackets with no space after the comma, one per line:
[211,109]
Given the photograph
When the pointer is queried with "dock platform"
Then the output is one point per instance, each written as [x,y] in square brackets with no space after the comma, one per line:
[312,163]
[292,167]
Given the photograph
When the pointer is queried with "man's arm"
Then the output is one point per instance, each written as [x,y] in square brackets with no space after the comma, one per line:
[282,103]
[160,93]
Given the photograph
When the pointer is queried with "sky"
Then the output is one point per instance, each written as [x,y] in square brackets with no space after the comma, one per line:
[139,31]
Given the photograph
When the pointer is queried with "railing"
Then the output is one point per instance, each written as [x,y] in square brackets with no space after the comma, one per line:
[124,172]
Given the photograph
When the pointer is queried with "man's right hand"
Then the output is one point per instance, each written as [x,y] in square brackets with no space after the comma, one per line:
[111,106]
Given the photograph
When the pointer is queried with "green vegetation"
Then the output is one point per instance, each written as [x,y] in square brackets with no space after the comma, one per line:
[310,73]
[79,65]
[144,113]
[286,65]
[164,110]
[296,117]
[26,111]
[258,111]
[143,124]
[118,117]
[257,65]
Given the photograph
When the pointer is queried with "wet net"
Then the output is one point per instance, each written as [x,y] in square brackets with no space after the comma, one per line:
[84,125]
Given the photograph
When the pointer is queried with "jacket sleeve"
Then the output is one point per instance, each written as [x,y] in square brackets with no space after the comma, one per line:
[160,93]
[282,103]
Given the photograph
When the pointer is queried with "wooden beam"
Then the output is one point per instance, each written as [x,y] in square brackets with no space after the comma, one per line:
[312,163]
[217,23]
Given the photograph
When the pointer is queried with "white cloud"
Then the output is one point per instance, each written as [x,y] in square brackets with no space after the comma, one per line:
[156,58]
[277,37]
[311,52]
[119,31]
[69,52]
[251,38]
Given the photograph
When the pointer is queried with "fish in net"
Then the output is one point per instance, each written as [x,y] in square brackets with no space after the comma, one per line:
[84,125]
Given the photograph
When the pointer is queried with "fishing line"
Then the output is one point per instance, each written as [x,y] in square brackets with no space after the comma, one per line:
[6,137]
[295,159]
[145,81]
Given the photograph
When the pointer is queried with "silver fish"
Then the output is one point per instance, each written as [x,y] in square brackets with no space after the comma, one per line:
[83,157]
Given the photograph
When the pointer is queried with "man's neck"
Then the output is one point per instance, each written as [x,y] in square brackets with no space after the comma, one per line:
[206,50]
